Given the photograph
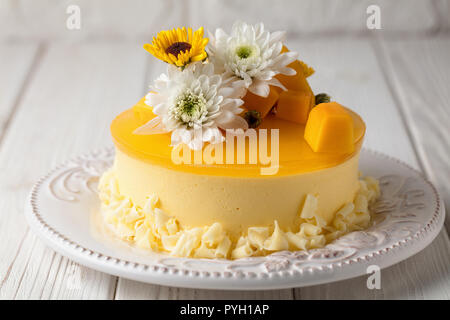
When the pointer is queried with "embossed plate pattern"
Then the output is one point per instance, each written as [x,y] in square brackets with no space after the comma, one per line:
[407,218]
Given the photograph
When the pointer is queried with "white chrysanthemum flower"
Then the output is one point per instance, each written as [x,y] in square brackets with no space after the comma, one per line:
[251,54]
[193,104]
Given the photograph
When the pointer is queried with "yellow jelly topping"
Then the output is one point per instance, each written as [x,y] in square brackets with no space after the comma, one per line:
[295,155]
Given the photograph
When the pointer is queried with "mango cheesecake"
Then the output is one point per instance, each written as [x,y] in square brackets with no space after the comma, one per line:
[232,155]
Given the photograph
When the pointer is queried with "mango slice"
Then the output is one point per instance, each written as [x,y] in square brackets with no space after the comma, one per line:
[142,111]
[258,103]
[298,81]
[330,129]
[294,106]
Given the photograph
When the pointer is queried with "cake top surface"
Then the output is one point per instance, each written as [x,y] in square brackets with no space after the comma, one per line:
[235,104]
[295,155]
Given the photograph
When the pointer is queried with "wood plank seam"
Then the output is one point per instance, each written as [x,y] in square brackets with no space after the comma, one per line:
[46,278]
[384,65]
[23,88]
[57,273]
[116,284]
[24,270]
[38,269]
[8,271]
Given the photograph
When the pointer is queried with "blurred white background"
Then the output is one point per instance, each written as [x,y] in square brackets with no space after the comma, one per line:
[131,19]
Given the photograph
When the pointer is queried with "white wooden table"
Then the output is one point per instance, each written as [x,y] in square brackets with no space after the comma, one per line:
[60,90]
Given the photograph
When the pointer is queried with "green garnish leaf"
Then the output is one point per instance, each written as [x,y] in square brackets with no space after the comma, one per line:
[253,118]
[322,98]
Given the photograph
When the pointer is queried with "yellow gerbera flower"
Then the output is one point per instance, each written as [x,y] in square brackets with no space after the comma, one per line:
[178,46]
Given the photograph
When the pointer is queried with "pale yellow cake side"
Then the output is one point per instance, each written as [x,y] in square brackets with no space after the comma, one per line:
[236,203]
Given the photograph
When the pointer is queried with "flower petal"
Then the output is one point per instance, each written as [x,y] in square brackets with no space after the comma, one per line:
[232,104]
[153,99]
[231,121]
[276,83]
[288,71]
[260,88]
[277,36]
[154,126]
[212,135]
[285,58]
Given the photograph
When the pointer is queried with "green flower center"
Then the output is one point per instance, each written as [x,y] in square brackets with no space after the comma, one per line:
[190,108]
[244,52]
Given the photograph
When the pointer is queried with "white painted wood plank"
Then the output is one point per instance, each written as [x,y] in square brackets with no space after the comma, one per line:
[424,276]
[420,73]
[128,289]
[15,63]
[317,16]
[350,71]
[72,98]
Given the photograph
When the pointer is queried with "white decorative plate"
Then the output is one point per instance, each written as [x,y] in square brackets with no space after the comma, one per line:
[408,217]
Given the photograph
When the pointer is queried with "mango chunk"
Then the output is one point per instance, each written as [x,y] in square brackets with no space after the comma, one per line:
[142,111]
[294,106]
[330,129]
[261,104]
[298,81]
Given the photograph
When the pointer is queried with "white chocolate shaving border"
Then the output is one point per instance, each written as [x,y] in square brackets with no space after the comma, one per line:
[151,228]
